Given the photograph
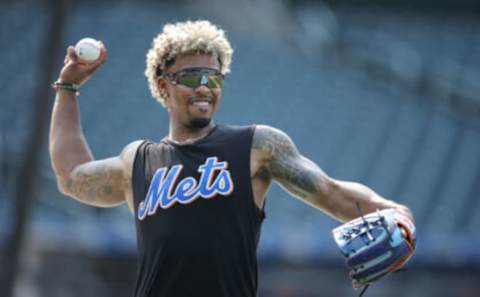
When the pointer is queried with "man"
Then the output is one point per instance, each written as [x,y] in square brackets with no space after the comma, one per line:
[198,194]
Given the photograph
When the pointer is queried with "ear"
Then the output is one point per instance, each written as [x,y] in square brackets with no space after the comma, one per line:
[164,91]
[162,85]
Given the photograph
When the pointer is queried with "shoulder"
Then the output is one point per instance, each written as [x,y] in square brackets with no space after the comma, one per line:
[127,155]
[271,142]
[265,131]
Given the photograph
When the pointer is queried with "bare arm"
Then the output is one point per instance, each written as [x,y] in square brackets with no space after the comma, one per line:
[100,183]
[306,181]
[67,144]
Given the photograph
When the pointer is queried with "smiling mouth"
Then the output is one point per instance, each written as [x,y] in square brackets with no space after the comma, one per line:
[201,102]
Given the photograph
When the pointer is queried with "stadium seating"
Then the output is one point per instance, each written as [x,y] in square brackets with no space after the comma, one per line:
[408,146]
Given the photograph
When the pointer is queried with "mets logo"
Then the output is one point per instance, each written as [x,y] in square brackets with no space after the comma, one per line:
[163,192]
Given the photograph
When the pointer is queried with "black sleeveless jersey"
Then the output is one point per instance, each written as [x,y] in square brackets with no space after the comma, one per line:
[197,223]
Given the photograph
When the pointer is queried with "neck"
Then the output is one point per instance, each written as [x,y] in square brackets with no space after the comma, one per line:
[182,134]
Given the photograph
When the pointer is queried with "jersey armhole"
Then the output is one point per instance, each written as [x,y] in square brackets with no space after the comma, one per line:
[138,171]
[260,212]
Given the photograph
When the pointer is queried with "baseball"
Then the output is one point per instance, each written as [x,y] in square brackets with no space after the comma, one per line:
[87,50]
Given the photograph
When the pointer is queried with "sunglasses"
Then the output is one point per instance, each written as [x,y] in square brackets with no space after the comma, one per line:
[195,77]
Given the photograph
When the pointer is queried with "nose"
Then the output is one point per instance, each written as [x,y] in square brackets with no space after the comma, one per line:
[202,90]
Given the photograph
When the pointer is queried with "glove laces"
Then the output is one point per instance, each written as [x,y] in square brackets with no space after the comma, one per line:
[360,212]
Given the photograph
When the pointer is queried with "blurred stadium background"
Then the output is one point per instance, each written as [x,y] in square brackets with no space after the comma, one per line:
[384,94]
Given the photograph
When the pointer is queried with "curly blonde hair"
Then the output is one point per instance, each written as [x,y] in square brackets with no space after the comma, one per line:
[182,38]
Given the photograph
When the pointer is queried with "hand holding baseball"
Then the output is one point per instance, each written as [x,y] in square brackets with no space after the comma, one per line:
[82,61]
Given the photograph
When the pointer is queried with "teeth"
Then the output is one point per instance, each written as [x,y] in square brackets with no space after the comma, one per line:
[201,103]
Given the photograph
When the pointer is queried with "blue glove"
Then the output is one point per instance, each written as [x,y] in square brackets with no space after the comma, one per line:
[375,244]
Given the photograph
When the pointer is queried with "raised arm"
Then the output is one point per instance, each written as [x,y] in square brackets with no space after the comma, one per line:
[278,155]
[99,183]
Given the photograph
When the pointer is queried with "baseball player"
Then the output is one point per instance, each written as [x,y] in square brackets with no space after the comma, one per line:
[198,194]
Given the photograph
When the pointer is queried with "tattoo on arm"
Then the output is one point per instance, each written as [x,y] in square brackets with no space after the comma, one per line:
[96,182]
[296,173]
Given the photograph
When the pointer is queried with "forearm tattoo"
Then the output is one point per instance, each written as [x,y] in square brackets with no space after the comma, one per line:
[92,182]
[296,173]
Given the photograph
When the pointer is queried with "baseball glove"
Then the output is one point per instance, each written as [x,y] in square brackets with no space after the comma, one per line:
[375,244]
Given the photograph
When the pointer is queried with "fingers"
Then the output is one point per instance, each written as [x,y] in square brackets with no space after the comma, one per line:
[407,228]
[356,284]
[71,55]
[75,71]
[103,56]
[404,231]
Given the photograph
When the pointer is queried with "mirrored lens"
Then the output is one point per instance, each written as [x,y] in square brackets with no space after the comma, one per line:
[193,80]
[215,81]
[189,80]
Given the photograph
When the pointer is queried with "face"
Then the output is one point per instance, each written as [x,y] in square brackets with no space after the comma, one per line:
[189,107]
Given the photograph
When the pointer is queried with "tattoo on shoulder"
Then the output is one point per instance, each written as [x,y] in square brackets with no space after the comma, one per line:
[297,174]
[273,142]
